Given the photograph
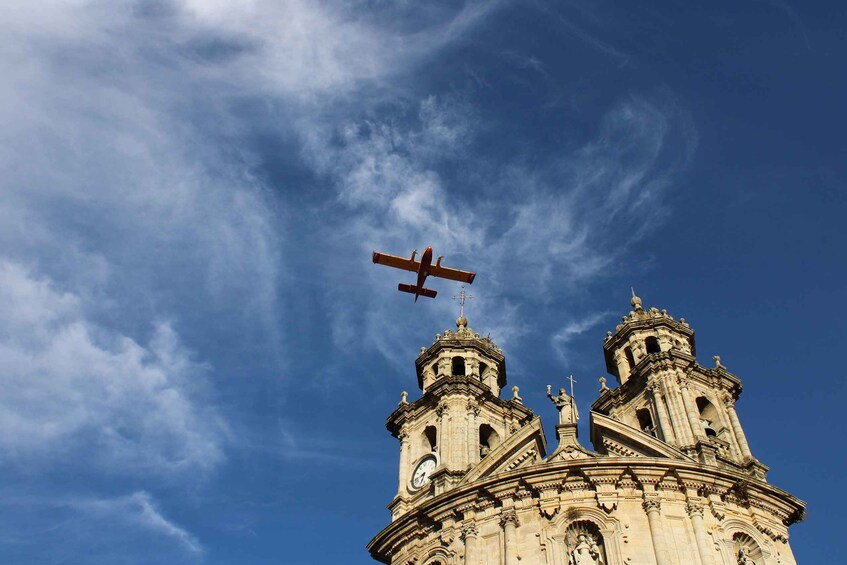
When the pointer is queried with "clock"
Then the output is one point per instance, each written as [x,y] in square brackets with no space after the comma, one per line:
[422,471]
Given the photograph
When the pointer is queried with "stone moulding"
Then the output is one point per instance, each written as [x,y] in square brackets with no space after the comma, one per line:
[774,508]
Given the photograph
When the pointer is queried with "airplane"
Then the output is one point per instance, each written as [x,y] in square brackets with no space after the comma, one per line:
[424,268]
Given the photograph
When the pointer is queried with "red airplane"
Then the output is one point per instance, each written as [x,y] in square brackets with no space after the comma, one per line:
[424,268]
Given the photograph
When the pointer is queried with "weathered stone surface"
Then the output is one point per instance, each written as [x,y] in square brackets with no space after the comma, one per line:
[670,481]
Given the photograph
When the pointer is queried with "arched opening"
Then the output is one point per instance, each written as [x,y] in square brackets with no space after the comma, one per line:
[708,416]
[745,550]
[652,344]
[629,358]
[458,366]
[482,369]
[488,440]
[585,544]
[645,421]
[431,436]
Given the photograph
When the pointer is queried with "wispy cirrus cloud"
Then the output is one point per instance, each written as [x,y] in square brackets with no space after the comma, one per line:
[74,389]
[554,226]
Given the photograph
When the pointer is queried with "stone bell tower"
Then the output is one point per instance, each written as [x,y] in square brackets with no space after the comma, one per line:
[460,417]
[670,479]
[664,391]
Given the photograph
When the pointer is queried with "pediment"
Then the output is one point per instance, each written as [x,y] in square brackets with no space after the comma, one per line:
[527,446]
[617,439]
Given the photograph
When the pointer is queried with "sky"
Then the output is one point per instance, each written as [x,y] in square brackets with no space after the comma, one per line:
[197,355]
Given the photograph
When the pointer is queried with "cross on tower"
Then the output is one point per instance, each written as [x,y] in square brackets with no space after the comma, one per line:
[463,296]
[572,380]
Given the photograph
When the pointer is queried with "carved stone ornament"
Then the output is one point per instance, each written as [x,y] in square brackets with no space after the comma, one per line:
[651,504]
[694,508]
[509,516]
[447,538]
[469,529]
[607,501]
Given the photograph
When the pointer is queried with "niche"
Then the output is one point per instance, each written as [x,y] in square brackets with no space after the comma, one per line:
[585,543]
[745,550]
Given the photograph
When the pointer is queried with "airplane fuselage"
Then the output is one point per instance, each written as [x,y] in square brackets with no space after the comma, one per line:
[423,270]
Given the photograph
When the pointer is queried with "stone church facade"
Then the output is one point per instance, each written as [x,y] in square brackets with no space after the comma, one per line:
[671,479]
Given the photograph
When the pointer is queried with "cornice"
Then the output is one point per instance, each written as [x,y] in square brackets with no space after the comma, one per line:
[782,506]
[447,386]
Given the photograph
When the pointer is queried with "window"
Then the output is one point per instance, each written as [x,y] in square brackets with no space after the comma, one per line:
[458,366]
[431,436]
[488,440]
[629,358]
[652,345]
[708,416]
[645,422]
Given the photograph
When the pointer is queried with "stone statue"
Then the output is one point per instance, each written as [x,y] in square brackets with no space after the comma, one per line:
[586,552]
[565,405]
[744,557]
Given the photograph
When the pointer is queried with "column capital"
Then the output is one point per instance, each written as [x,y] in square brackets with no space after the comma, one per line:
[509,516]
[469,530]
[694,507]
[651,504]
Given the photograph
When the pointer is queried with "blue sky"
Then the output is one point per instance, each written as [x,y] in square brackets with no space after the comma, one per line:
[197,356]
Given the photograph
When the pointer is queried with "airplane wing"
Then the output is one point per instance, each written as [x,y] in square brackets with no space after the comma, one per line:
[396,262]
[452,274]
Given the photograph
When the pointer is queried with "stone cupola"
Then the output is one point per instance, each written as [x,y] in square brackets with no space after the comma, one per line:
[462,353]
[641,333]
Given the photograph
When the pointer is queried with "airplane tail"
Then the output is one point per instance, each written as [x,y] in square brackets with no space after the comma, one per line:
[412,289]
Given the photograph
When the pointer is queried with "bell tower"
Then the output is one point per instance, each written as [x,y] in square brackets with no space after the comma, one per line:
[664,392]
[459,419]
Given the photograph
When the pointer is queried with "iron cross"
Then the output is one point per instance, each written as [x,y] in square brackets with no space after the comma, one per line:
[462,298]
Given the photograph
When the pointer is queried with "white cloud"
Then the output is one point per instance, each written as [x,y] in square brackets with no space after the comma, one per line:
[72,387]
[562,340]
[552,228]
[139,510]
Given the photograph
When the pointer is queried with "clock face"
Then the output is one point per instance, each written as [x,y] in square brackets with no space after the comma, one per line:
[422,472]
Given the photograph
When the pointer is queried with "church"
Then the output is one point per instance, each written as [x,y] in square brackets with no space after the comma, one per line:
[670,478]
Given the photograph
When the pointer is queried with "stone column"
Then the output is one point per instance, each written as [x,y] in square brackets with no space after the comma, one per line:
[736,427]
[405,454]
[509,521]
[691,409]
[442,414]
[678,419]
[651,506]
[472,434]
[470,535]
[695,511]
[664,425]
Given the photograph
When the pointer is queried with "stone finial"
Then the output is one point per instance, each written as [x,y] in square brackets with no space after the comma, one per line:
[403,396]
[461,322]
[717,359]
[608,336]
[603,386]
[635,301]
[515,396]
